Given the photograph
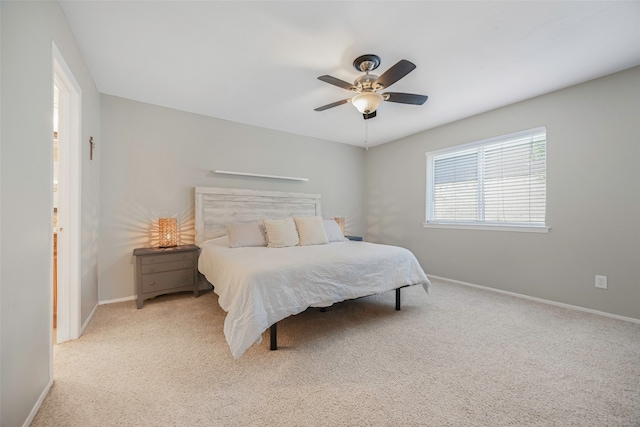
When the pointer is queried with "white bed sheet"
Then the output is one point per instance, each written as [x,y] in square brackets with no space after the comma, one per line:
[259,286]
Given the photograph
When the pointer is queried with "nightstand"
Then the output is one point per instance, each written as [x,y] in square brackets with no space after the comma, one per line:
[166,270]
[355,238]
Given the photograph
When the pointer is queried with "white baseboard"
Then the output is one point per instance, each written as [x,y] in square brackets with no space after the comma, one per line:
[36,407]
[111,301]
[86,323]
[544,301]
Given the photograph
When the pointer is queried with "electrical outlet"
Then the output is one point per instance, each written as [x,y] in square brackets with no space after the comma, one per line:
[601,282]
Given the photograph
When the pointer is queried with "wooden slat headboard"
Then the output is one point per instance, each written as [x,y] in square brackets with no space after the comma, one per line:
[214,207]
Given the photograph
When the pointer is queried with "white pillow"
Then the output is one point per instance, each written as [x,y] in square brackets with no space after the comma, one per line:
[311,230]
[281,233]
[245,234]
[333,231]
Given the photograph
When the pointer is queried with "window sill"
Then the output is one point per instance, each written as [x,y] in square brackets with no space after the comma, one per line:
[483,227]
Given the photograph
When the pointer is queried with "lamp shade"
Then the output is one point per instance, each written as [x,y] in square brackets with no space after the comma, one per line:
[367,102]
[168,232]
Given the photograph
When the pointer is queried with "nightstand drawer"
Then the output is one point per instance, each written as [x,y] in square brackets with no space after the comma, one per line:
[166,266]
[161,258]
[167,280]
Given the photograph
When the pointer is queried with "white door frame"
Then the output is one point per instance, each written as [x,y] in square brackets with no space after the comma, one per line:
[69,203]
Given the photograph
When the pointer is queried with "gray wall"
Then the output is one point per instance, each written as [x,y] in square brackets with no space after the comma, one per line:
[593,202]
[27,29]
[156,155]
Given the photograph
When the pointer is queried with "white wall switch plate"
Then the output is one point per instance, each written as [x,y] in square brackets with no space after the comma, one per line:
[601,282]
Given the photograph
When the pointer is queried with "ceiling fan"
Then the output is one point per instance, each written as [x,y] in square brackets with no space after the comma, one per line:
[367,99]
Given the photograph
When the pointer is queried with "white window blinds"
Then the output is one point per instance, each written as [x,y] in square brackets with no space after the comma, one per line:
[500,181]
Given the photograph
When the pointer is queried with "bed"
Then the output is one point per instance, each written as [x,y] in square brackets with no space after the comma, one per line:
[259,286]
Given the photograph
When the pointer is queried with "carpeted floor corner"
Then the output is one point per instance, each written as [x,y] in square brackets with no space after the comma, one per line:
[457,357]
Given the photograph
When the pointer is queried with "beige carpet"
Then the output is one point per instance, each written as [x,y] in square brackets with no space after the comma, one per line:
[458,357]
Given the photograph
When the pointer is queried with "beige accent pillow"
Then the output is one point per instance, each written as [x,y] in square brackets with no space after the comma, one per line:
[245,234]
[281,233]
[311,230]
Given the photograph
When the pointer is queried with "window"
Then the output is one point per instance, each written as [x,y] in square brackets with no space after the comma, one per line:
[499,182]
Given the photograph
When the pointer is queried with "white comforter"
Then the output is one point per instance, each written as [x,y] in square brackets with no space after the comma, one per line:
[259,286]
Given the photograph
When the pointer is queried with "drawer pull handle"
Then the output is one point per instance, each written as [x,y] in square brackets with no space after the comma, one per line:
[184,265]
[152,283]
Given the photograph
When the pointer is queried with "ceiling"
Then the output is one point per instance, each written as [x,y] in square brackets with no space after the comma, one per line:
[257,62]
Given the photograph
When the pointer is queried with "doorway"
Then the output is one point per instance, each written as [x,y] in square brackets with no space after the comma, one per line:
[67,211]
[55,211]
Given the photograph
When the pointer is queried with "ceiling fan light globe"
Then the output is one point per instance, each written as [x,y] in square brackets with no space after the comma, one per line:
[367,102]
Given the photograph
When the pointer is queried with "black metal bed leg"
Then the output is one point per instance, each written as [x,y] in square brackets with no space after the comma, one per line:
[398,299]
[274,336]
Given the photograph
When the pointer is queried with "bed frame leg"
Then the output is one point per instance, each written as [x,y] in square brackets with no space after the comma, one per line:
[274,336]
[398,299]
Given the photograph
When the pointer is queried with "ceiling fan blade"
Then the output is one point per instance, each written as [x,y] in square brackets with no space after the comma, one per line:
[337,82]
[393,74]
[369,116]
[333,104]
[405,98]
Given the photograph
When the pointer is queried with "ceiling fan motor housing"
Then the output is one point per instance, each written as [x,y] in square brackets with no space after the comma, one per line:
[365,82]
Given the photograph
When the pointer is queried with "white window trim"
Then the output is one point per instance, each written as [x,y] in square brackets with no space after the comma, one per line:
[488,227]
[522,228]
